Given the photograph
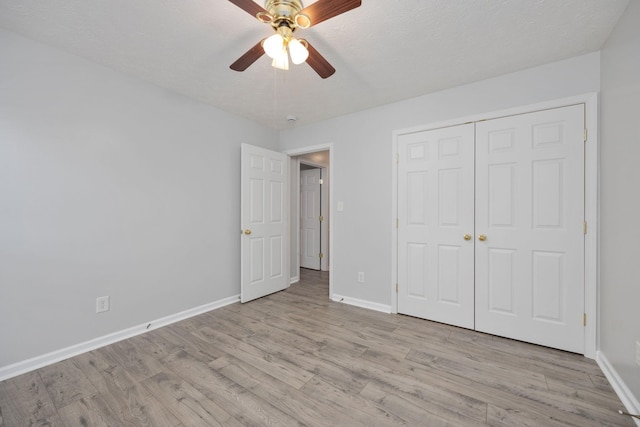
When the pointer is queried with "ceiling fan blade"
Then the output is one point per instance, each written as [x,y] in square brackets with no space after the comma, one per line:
[326,9]
[249,6]
[248,58]
[318,63]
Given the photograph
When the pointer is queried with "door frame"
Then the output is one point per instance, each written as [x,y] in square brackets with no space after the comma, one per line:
[591,179]
[307,150]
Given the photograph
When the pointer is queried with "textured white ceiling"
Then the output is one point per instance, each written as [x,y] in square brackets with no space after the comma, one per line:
[383,51]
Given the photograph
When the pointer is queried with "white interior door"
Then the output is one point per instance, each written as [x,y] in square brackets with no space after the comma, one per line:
[435,225]
[530,207]
[310,218]
[264,222]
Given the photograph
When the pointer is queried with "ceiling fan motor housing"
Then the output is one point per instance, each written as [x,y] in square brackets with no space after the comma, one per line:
[283,11]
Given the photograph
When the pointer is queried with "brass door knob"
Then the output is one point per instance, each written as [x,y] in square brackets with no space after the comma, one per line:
[247,231]
[467,237]
[482,237]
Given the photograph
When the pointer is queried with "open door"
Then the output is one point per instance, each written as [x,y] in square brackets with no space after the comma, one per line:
[264,221]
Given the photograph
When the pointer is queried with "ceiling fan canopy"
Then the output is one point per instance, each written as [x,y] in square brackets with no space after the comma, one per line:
[285,17]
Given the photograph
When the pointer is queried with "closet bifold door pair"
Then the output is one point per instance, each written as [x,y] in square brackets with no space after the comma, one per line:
[491,226]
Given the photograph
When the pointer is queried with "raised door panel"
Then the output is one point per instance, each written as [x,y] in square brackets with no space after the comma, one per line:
[501,286]
[449,285]
[257,260]
[276,246]
[417,265]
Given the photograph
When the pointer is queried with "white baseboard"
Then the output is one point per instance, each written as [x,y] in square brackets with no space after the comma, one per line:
[362,303]
[28,365]
[294,279]
[629,401]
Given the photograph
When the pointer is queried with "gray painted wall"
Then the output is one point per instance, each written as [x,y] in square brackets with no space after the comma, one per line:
[109,186]
[620,201]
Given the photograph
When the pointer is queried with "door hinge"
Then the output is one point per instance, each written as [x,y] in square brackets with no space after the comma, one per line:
[584,227]
[397,157]
[586,135]
[584,319]
[321,218]
[396,288]
[321,255]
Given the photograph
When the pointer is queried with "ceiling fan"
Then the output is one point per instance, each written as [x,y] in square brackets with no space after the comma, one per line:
[286,16]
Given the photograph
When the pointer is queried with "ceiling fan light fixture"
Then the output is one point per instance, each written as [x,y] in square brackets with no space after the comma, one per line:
[285,17]
[298,51]
[274,46]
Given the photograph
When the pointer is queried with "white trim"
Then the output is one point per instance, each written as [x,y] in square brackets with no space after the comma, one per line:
[592,212]
[313,149]
[294,279]
[362,303]
[295,178]
[591,199]
[490,115]
[394,220]
[28,365]
[324,201]
[627,398]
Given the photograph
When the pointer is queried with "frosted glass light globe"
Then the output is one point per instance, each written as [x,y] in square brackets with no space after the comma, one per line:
[298,52]
[273,46]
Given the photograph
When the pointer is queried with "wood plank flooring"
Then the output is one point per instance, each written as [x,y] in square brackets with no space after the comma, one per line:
[296,358]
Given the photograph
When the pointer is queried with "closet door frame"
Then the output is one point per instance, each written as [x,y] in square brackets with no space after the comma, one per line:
[591,273]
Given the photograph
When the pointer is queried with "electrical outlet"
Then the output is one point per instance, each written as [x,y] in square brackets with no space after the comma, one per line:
[361,276]
[638,353]
[102,304]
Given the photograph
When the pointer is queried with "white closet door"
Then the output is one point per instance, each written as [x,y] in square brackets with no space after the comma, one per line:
[435,212]
[530,207]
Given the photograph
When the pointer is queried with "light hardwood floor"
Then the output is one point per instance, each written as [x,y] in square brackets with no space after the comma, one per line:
[296,358]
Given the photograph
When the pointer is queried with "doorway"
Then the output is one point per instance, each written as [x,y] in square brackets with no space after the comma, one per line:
[319,160]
